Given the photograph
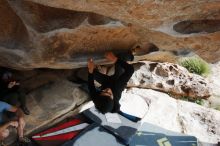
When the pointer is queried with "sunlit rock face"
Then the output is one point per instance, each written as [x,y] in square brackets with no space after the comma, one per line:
[170,78]
[65,33]
[180,116]
[214,80]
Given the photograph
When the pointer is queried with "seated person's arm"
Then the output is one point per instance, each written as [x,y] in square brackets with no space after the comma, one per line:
[8,107]
[18,112]
[21,121]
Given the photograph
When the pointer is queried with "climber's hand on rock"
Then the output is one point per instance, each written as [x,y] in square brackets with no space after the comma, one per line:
[111,57]
[91,65]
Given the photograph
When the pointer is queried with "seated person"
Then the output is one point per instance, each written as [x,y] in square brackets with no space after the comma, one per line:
[10,91]
[17,122]
[106,99]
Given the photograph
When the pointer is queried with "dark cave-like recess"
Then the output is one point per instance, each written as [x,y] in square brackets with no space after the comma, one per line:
[197,26]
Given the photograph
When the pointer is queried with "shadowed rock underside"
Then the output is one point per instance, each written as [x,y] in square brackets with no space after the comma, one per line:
[65,33]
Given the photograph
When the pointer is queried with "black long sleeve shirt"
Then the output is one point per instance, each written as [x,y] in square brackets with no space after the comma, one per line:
[117,86]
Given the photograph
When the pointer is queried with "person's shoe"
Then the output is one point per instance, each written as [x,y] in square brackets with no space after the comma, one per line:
[24,141]
[25,110]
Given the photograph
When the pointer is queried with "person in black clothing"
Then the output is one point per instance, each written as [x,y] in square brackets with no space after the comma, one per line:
[106,98]
[10,91]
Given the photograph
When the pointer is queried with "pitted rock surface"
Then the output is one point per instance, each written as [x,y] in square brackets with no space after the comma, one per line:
[171,78]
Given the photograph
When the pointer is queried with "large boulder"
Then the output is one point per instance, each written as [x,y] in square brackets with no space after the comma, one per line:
[170,78]
[214,82]
[179,116]
[52,101]
[63,34]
